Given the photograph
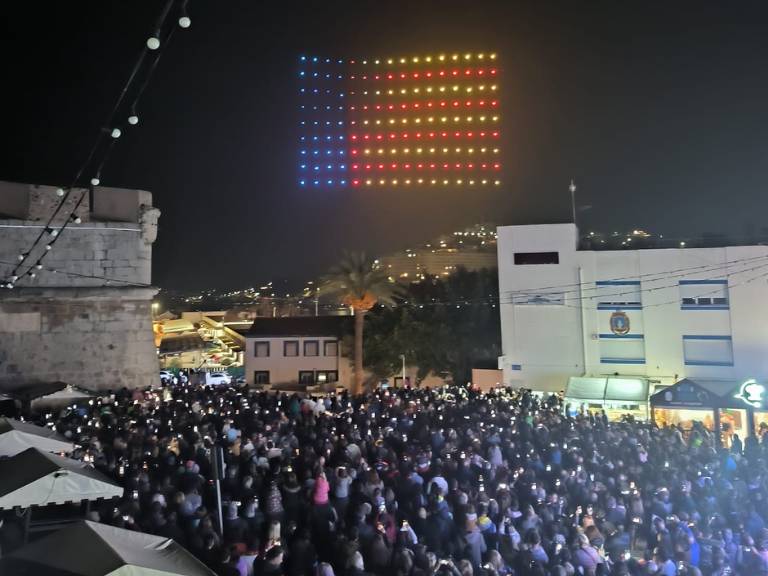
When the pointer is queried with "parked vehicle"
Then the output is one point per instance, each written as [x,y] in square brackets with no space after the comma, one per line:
[214,378]
[166,376]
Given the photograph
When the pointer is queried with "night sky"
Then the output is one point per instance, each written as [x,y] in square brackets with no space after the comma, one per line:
[658,110]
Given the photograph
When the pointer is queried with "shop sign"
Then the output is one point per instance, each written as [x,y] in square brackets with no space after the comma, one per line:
[752,393]
[686,394]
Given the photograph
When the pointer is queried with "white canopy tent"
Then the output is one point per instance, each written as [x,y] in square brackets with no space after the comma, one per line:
[617,395]
[35,478]
[68,395]
[16,436]
[93,549]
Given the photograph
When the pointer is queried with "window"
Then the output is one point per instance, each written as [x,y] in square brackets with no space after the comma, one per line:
[327,376]
[541,299]
[307,377]
[624,294]
[627,349]
[522,258]
[704,294]
[261,377]
[707,350]
[330,348]
[261,350]
[291,348]
[311,348]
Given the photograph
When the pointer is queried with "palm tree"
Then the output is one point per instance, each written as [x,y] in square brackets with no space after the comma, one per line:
[357,284]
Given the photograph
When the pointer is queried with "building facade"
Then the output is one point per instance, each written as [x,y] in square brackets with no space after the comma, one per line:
[660,314]
[298,350]
[85,317]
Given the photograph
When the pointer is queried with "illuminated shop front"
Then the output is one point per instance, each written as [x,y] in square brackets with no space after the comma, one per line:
[723,407]
[617,396]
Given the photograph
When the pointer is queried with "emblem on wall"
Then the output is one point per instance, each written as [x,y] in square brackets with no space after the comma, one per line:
[619,323]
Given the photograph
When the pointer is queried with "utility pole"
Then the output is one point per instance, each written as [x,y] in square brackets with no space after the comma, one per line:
[317,302]
[572,188]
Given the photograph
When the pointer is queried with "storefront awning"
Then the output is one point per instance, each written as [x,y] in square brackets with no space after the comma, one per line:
[607,388]
[697,393]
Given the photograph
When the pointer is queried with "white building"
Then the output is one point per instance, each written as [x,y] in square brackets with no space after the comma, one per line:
[658,314]
[296,350]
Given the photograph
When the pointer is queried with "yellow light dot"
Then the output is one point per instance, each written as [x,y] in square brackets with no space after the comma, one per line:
[377,62]
[382,181]
[380,151]
[441,57]
[471,150]
[445,150]
[418,150]
[403,91]
[431,150]
[393,151]
[417,120]
[497,182]
[420,180]
[391,120]
[429,89]
[365,61]
[415,90]
[368,182]
[444,119]
[431,119]
[495,118]
[485,182]
[378,122]
[406,150]
[442,88]
[467,56]
[482,118]
[433,181]
[407,181]
[415,59]
[402,60]
[471,182]
[495,150]
[469,118]
[378,92]
[469,88]
[404,120]
[455,57]
[482,150]
[492,56]
[480,56]
[459,181]
[367,151]
[428,59]
[365,122]
[394,182]
[455,88]
[458,150]
[456,118]
[493,87]
[445,182]
[389,61]
[481,87]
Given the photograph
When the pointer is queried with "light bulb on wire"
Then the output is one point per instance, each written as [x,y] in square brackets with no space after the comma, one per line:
[116,133]
[60,192]
[153,42]
[39,266]
[95,181]
[133,117]
[48,246]
[184,20]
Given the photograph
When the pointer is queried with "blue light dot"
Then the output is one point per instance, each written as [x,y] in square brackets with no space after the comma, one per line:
[340,62]
[329,167]
[327,137]
[341,152]
[303,166]
[327,107]
[314,75]
[327,75]
[303,107]
[315,152]
[328,152]
[303,58]
[316,168]
[314,107]
[343,166]
[301,73]
[303,90]
[327,91]
[316,123]
[303,122]
[340,122]
[302,182]
[314,59]
[314,138]
[304,152]
[339,77]
[327,123]
[302,138]
[316,91]
[317,182]
[327,60]
[341,137]
[341,107]
[341,95]
[330,181]
[343,182]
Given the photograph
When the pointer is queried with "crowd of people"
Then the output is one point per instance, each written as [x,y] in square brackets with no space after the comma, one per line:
[418,482]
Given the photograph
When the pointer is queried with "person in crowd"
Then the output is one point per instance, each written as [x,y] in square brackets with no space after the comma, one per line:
[420,482]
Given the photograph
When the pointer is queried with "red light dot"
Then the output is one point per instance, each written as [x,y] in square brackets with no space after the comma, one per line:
[497,166]
[430,104]
[493,71]
[418,134]
[403,106]
[415,74]
[351,107]
[469,134]
[407,166]
[444,134]
[367,166]
[445,166]
[402,75]
[483,166]
[468,103]
[381,166]
[495,134]
[379,137]
[367,137]
[392,136]
[481,103]
[353,137]
[432,166]
[355,182]
[419,166]
[355,166]
[428,74]
[480,72]
[494,103]
[365,107]
[431,134]
[351,77]
[394,166]
[389,76]
[442,72]
[378,106]
[353,152]
[365,77]
[377,77]
[455,73]
[416,105]
[455,102]
[458,166]
[391,107]
[467,72]
[457,134]
[470,166]
[405,136]
[482,134]
[442,104]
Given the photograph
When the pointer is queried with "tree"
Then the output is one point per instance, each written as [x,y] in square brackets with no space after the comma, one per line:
[357,284]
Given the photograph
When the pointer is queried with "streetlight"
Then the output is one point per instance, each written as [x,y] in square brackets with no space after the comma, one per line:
[402,357]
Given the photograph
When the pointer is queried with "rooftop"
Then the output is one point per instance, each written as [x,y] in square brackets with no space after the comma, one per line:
[298,326]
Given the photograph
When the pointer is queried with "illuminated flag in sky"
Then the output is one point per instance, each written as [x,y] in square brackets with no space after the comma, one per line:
[416,121]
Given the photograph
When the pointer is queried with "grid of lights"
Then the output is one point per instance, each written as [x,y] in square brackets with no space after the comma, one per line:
[410,121]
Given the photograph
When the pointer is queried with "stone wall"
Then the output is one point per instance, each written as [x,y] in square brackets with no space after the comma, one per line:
[97,338]
[85,318]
